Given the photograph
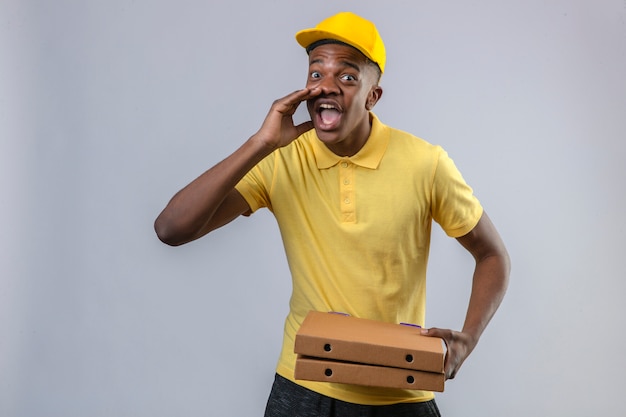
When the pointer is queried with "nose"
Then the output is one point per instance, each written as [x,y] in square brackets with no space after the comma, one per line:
[329,85]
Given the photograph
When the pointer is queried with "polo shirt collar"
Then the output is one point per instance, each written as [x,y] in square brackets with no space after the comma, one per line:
[368,157]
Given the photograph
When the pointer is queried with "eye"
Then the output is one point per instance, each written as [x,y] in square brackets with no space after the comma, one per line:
[348,77]
[315,75]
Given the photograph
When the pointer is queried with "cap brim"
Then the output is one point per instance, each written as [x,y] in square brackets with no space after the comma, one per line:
[307,37]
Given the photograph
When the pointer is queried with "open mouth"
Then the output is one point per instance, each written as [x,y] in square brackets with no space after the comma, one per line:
[328,116]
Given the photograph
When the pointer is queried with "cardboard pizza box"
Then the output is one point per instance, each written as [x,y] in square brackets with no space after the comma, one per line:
[351,339]
[314,369]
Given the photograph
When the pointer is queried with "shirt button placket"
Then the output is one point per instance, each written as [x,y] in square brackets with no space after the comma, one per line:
[346,185]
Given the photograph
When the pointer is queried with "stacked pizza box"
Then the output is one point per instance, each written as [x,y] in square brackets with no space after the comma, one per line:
[333,347]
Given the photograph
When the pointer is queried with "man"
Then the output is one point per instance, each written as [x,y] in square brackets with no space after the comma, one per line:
[354,200]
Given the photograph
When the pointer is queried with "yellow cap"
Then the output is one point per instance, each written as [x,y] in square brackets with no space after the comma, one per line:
[351,29]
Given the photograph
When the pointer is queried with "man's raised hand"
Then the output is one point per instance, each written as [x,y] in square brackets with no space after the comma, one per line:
[278,128]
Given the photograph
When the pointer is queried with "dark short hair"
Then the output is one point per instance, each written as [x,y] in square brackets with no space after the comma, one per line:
[321,42]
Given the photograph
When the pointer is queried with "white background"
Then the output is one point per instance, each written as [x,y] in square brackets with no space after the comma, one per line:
[108,108]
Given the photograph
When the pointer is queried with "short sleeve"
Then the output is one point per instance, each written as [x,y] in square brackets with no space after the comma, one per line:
[255,186]
[454,205]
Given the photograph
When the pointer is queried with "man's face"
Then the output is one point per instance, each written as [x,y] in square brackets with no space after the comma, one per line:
[349,89]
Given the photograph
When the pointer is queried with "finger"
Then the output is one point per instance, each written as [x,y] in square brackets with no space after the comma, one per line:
[448,365]
[291,101]
[432,332]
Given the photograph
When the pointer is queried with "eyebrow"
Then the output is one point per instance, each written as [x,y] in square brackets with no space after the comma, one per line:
[344,63]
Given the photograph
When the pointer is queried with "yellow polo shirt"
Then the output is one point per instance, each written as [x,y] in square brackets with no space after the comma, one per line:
[356,232]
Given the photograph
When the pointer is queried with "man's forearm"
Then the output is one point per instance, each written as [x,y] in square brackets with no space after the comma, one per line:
[189,212]
[489,285]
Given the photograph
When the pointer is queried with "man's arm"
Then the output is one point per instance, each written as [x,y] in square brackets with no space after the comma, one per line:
[211,201]
[491,277]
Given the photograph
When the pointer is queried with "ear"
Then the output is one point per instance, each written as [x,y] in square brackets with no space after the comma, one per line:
[374,95]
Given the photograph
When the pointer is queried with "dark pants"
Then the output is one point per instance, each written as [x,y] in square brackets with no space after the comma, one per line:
[291,400]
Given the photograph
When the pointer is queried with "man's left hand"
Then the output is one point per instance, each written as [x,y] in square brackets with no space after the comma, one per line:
[459,345]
